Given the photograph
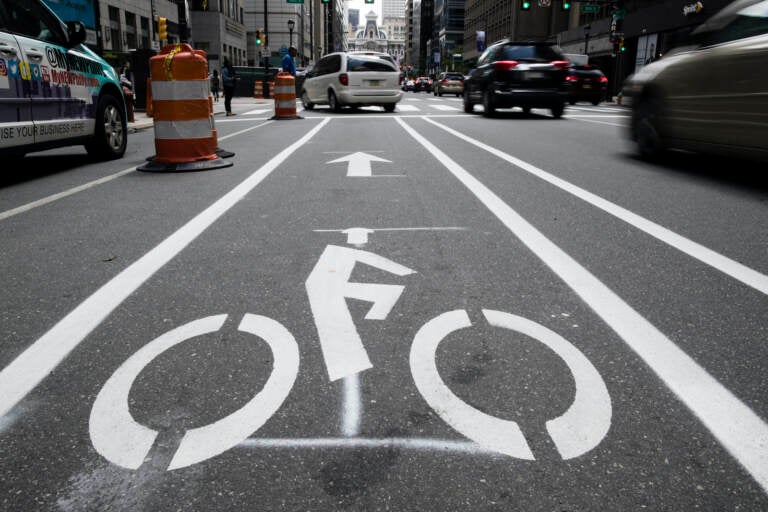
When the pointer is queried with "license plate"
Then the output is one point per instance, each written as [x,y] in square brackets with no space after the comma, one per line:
[535,74]
[374,83]
[587,86]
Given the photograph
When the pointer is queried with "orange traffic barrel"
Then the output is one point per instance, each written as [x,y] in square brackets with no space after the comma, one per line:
[185,135]
[257,89]
[285,96]
[270,89]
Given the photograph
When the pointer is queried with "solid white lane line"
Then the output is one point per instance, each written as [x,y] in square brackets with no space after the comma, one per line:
[415,443]
[90,184]
[722,263]
[353,406]
[41,358]
[742,432]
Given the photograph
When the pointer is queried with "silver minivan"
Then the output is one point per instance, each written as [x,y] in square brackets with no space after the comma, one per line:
[354,79]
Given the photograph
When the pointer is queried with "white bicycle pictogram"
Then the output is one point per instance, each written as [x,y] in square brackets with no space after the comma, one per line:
[124,442]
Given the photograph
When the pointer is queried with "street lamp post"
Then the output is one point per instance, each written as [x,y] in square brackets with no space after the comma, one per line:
[291,24]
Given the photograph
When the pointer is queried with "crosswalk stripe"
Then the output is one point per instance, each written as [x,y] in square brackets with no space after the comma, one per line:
[407,108]
[444,107]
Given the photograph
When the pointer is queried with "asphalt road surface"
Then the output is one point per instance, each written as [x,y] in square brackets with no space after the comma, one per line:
[425,310]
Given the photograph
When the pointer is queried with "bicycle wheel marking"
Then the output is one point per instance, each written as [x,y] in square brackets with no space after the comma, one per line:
[582,427]
[126,443]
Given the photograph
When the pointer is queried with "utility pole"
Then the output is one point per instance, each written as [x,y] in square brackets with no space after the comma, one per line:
[269,38]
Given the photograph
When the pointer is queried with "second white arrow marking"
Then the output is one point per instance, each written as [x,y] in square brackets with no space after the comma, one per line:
[359,164]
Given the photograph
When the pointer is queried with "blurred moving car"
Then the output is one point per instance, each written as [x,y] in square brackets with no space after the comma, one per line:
[709,97]
[448,83]
[409,85]
[587,83]
[422,83]
[514,74]
[54,90]
[353,79]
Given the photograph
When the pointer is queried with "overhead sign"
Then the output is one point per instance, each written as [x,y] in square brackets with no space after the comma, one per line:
[590,8]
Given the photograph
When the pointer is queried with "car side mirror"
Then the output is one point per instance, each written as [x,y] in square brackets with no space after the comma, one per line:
[75,33]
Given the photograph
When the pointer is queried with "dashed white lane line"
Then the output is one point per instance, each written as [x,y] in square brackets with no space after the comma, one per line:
[742,432]
[25,372]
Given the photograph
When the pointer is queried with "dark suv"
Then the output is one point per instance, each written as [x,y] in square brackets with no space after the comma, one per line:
[514,74]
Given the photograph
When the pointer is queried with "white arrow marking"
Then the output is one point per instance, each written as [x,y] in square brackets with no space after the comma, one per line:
[357,236]
[359,164]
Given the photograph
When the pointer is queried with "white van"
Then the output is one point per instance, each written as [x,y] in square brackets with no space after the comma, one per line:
[353,79]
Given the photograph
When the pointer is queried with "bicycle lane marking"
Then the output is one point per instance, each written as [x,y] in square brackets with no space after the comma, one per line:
[742,432]
[25,372]
[100,181]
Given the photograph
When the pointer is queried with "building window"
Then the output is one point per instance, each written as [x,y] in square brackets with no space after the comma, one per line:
[144,32]
[130,30]
[115,38]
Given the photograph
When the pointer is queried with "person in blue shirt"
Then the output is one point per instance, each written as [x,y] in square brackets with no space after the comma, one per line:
[289,65]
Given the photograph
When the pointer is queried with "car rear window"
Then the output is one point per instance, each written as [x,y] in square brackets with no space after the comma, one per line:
[454,76]
[530,53]
[369,64]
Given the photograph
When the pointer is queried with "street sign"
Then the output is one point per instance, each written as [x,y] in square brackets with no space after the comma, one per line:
[619,13]
[295,1]
[590,8]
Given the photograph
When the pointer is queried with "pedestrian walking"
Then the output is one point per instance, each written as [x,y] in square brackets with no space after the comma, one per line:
[228,78]
[289,64]
[127,81]
[215,84]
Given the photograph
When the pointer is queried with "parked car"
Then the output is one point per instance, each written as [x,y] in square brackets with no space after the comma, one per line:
[711,96]
[448,83]
[518,74]
[587,83]
[422,83]
[353,79]
[56,92]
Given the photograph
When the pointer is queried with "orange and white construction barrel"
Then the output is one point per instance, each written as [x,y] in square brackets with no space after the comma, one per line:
[285,96]
[257,89]
[185,135]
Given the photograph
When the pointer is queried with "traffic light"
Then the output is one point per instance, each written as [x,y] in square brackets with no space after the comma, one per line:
[259,37]
[621,44]
[325,1]
[566,5]
[369,1]
[525,5]
[162,28]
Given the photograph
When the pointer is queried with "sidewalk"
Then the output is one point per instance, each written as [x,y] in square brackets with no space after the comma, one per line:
[142,121]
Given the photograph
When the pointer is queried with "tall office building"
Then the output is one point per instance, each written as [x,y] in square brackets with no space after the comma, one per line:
[393,8]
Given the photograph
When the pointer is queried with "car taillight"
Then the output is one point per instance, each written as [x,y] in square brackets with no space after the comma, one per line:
[445,80]
[505,65]
[344,79]
[603,79]
[561,64]
[571,78]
